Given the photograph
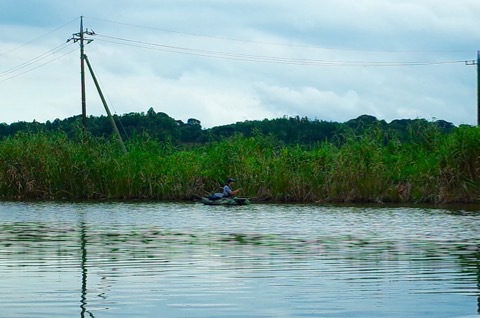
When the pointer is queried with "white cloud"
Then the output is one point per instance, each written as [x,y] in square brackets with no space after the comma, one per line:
[310,102]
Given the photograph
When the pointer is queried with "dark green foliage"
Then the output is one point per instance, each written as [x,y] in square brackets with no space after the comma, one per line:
[288,130]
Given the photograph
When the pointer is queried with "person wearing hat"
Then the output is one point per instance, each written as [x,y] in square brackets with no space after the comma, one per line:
[227,189]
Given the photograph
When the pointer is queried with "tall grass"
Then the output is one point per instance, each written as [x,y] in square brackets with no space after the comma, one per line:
[432,167]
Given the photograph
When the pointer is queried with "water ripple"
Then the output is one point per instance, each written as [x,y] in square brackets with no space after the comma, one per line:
[109,260]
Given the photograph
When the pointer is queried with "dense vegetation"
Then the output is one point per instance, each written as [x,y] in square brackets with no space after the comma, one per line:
[287,159]
[161,127]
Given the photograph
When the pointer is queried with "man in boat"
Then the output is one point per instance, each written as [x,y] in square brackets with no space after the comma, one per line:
[227,189]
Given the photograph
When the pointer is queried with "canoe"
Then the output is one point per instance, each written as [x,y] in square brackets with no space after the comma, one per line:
[226,201]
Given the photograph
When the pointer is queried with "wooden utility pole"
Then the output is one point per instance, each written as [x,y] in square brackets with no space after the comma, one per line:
[477,63]
[478,88]
[80,37]
[112,121]
[82,75]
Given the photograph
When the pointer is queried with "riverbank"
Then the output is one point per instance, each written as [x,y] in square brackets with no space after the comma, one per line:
[436,168]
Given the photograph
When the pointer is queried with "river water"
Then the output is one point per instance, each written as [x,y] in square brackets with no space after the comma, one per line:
[191,260]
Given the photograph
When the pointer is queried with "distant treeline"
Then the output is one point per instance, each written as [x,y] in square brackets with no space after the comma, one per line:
[288,130]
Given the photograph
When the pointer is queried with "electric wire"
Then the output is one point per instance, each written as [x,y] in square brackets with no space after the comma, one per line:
[16,71]
[275,43]
[36,59]
[38,38]
[38,66]
[204,53]
[260,58]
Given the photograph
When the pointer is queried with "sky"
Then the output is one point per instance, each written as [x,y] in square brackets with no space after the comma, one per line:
[222,62]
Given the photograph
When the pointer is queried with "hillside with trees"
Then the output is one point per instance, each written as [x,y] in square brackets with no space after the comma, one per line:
[287,130]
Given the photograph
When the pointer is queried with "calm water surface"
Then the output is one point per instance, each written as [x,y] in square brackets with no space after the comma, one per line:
[191,260]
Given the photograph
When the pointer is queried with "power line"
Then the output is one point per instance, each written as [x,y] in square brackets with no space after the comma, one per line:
[36,67]
[203,53]
[35,59]
[261,58]
[29,65]
[37,38]
[276,43]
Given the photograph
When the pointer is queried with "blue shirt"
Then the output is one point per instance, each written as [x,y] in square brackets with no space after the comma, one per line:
[227,191]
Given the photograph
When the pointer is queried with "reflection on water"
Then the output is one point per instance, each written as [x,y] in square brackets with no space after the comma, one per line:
[190,260]
[83,247]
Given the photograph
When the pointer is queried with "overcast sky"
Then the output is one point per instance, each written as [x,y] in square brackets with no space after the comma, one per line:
[224,61]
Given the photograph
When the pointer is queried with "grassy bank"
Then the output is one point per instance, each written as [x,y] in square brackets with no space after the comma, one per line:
[433,168]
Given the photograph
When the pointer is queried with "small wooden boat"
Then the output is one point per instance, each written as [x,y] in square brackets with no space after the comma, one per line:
[226,201]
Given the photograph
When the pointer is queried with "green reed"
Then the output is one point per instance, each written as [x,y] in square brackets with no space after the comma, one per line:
[429,167]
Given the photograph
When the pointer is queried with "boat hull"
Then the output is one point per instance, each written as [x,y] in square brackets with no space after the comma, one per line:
[226,201]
